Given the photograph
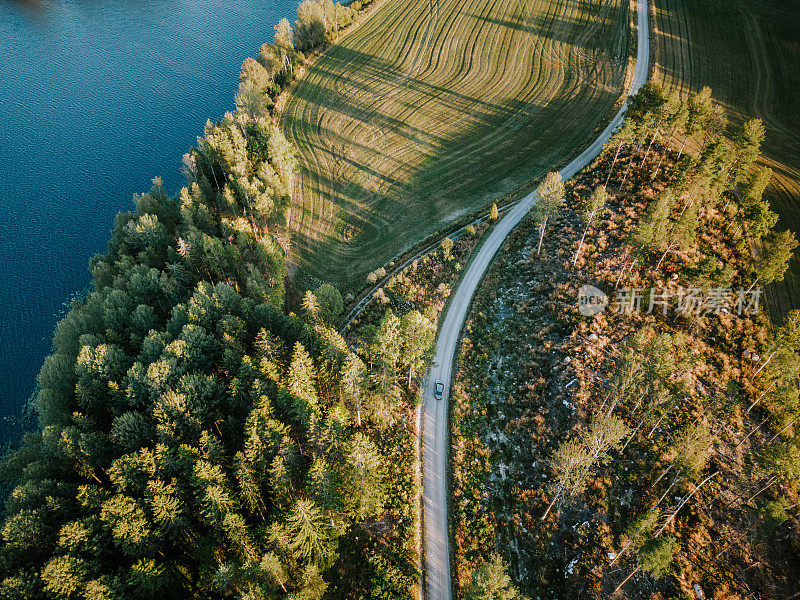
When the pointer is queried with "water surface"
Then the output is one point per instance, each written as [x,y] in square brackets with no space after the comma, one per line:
[96,99]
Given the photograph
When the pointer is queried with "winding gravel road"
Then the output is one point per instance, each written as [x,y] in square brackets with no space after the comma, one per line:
[434,417]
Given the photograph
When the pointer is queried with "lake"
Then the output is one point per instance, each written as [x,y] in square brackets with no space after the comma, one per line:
[96,99]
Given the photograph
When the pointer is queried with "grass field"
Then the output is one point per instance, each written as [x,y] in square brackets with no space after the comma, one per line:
[748,51]
[430,109]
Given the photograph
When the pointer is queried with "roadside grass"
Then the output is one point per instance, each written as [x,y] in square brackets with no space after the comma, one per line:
[747,52]
[431,109]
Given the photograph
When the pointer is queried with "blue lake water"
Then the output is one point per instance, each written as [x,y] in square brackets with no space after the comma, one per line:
[96,99]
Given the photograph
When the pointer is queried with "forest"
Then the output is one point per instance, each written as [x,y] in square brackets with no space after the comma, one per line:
[647,450]
[194,439]
[205,430]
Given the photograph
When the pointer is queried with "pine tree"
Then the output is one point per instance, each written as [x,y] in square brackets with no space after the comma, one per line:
[683,233]
[573,460]
[699,107]
[755,212]
[301,378]
[490,581]
[353,380]
[656,555]
[310,539]
[747,146]
[638,532]
[418,335]
[652,230]
[312,585]
[776,252]
[625,135]
[366,477]
[386,348]
[64,576]
[274,569]
[148,578]
[330,302]
[311,306]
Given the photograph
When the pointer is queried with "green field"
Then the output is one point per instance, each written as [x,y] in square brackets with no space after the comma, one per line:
[430,109]
[748,51]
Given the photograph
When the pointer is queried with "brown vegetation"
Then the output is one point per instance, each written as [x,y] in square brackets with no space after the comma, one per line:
[534,372]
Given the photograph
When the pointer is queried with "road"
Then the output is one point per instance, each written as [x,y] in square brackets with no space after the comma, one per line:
[434,417]
[368,297]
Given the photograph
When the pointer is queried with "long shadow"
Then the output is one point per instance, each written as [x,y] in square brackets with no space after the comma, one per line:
[325,97]
[470,184]
[460,174]
[371,67]
[338,140]
[374,69]
[560,30]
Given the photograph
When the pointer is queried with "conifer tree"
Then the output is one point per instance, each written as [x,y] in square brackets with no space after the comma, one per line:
[683,233]
[490,581]
[625,135]
[309,534]
[776,252]
[699,107]
[386,348]
[747,146]
[301,377]
[755,212]
[418,335]
[573,460]
[330,302]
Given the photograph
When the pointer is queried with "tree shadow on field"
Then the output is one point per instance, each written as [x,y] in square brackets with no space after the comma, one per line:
[379,80]
[582,32]
[375,179]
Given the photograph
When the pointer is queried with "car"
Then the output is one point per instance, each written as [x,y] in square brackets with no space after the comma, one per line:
[438,390]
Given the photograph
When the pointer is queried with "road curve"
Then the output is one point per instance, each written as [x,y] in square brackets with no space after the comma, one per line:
[434,417]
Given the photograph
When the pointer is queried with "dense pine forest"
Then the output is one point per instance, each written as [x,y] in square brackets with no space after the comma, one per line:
[195,440]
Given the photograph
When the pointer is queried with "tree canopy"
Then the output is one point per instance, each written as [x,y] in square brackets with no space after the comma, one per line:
[195,441]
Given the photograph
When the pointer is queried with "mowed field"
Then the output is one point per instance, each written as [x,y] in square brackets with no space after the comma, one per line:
[430,109]
[748,51]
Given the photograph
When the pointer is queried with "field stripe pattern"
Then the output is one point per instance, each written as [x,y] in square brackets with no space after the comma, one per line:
[432,108]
